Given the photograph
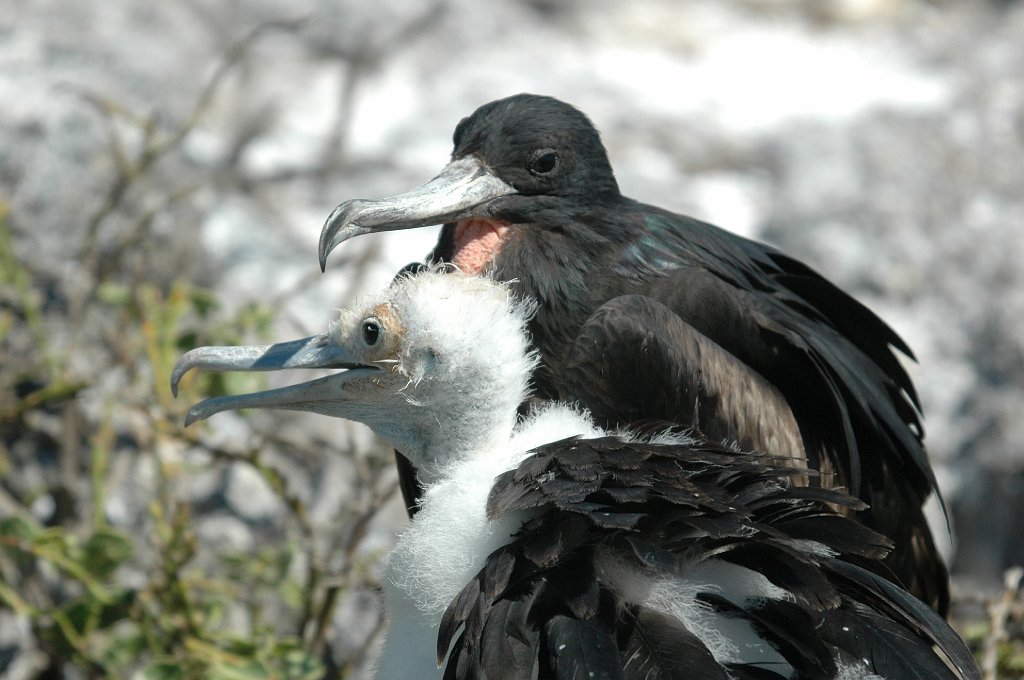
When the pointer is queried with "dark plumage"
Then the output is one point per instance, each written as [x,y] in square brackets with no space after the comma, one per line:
[546,547]
[770,354]
[552,602]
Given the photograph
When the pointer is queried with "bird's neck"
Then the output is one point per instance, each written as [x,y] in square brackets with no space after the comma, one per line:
[447,432]
[567,291]
[451,535]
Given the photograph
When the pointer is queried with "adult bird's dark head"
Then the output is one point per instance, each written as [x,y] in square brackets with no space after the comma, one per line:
[527,159]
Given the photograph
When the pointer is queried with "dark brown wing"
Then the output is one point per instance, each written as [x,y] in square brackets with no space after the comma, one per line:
[855,418]
[634,359]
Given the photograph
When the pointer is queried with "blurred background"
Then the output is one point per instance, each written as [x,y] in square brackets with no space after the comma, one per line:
[165,169]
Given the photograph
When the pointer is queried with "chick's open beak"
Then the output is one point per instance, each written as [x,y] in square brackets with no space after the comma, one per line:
[321,395]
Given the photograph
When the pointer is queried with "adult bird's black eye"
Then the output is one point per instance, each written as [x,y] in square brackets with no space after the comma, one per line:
[543,162]
[371,332]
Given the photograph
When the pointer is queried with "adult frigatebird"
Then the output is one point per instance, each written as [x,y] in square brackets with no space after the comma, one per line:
[548,547]
[644,313]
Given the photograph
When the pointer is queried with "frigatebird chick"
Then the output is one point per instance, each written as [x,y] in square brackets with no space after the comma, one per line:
[646,314]
[551,548]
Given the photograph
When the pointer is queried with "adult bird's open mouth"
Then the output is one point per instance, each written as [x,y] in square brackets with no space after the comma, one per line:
[477,241]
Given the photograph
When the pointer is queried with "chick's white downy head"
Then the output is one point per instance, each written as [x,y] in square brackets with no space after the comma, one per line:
[436,364]
[456,359]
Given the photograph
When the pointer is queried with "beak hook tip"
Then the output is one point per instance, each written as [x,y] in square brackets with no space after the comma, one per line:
[329,235]
[192,416]
[183,366]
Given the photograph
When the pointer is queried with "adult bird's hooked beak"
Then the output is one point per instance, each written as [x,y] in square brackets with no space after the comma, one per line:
[461,190]
[321,395]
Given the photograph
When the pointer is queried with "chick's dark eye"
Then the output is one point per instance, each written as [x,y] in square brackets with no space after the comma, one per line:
[371,332]
[543,162]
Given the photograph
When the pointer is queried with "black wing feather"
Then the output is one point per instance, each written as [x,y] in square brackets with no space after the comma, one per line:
[896,604]
[582,650]
[790,628]
[876,643]
[659,647]
[546,602]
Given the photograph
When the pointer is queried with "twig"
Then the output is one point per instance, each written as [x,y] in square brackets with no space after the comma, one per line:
[342,578]
[153,148]
[998,612]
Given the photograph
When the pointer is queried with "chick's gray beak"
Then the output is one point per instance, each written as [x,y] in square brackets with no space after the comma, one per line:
[461,190]
[319,395]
